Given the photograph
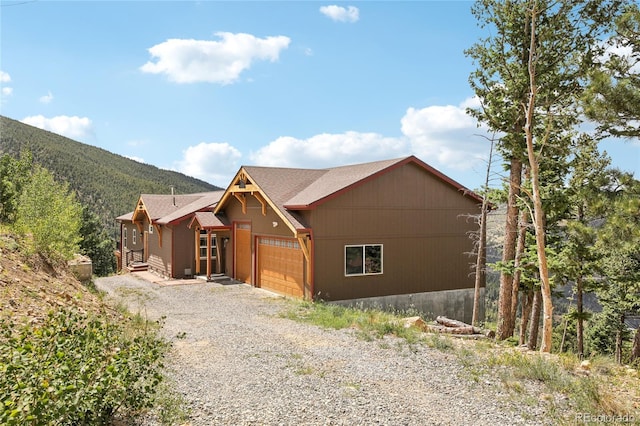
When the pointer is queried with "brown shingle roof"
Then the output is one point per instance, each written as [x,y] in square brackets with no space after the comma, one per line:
[210,220]
[207,199]
[125,217]
[335,180]
[280,184]
[166,208]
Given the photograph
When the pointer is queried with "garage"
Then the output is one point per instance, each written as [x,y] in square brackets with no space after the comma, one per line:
[280,266]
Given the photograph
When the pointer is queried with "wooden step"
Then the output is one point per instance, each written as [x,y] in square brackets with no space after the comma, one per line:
[138,266]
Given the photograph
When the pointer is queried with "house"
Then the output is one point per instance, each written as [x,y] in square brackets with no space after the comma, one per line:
[393,234]
[157,236]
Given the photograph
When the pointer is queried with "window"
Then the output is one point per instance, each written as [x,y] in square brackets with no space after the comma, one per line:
[203,244]
[124,229]
[150,228]
[134,237]
[363,259]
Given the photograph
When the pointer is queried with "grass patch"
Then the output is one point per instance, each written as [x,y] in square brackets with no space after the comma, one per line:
[556,375]
[370,324]
[170,407]
[437,341]
[529,378]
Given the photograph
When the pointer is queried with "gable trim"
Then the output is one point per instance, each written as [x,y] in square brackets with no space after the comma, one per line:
[243,184]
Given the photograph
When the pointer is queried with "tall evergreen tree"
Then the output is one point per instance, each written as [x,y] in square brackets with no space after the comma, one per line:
[613,98]
[96,243]
[587,193]
[619,248]
[528,79]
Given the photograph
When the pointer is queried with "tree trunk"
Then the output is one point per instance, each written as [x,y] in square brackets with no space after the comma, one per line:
[532,343]
[620,327]
[635,350]
[504,328]
[527,301]
[580,324]
[522,238]
[538,212]
[481,258]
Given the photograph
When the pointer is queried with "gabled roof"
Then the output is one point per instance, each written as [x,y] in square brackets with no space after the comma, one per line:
[288,190]
[209,220]
[166,208]
[208,199]
[125,217]
[336,180]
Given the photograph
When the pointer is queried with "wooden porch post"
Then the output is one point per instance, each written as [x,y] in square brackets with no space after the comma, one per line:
[208,254]
[197,233]
[218,255]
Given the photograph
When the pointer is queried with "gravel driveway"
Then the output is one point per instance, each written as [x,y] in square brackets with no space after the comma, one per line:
[238,363]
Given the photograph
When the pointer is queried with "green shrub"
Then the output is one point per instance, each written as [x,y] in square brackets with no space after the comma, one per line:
[49,213]
[76,369]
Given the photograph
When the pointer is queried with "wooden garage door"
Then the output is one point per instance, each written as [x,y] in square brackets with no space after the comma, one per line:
[280,266]
[243,252]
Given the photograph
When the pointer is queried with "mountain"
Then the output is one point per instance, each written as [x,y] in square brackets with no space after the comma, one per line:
[108,183]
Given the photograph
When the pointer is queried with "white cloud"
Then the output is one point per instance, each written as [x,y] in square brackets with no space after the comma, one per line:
[212,162]
[5,78]
[192,61]
[134,158]
[71,127]
[341,14]
[443,136]
[446,135]
[614,48]
[46,98]
[325,150]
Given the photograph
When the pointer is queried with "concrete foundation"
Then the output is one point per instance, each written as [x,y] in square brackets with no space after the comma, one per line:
[454,304]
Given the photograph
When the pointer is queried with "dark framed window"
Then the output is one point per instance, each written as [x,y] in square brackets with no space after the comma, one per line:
[363,259]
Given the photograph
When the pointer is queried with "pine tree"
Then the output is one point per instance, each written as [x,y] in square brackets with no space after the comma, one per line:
[528,79]
[613,98]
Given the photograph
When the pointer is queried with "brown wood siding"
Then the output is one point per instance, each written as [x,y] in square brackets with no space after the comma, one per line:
[129,246]
[421,223]
[184,256]
[159,258]
[280,266]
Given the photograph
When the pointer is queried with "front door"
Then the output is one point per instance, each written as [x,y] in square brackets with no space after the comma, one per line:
[242,244]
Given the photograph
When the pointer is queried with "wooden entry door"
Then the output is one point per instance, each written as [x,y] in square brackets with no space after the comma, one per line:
[242,245]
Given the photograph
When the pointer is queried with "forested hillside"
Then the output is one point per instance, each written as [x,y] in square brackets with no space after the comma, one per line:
[107,183]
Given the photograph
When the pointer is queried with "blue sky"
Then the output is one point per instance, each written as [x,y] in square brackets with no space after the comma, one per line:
[205,87]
